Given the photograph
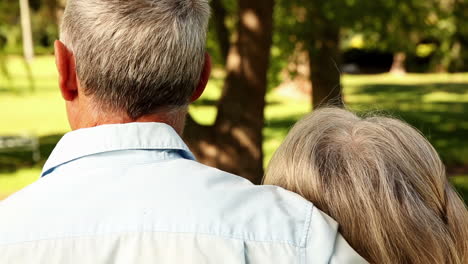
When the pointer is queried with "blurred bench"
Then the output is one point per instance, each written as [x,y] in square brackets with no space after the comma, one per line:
[21,143]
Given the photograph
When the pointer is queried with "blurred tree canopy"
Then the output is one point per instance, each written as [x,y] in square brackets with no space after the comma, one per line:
[44,16]
[431,30]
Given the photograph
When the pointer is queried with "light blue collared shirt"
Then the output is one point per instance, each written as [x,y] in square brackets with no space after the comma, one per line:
[133,193]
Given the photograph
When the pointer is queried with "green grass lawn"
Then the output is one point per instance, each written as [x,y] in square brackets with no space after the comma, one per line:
[437,104]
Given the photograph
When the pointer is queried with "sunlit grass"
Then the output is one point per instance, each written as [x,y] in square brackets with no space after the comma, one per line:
[442,97]
[204,110]
[31,104]
[280,115]
[41,113]
[40,75]
[12,182]
[407,79]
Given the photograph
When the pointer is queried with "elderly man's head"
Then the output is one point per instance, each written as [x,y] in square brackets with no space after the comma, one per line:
[132,57]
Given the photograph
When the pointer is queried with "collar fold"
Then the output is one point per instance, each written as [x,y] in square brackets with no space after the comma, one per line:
[106,138]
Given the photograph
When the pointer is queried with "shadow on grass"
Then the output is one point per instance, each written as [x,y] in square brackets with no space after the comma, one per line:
[443,120]
[444,124]
[15,159]
[213,103]
[413,91]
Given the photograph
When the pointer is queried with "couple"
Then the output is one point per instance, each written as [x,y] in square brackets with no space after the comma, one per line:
[124,188]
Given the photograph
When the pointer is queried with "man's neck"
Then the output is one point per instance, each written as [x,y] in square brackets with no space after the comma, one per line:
[176,120]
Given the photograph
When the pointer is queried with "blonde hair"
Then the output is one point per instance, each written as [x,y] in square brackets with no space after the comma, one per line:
[381,180]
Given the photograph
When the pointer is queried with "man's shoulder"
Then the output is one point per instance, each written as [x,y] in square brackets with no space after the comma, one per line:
[175,196]
[218,183]
[252,212]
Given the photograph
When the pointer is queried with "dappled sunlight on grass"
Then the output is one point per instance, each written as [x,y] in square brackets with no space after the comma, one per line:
[42,72]
[204,109]
[39,114]
[280,115]
[444,97]
[12,182]
[436,104]
[407,79]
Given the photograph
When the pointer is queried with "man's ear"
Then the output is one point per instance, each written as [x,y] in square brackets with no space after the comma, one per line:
[67,71]
[205,76]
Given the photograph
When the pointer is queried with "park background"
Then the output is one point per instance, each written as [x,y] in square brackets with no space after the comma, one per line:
[274,62]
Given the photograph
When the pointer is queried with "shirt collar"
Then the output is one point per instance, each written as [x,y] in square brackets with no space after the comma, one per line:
[106,138]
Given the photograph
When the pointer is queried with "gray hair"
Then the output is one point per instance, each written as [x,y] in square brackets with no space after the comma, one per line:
[381,180]
[137,56]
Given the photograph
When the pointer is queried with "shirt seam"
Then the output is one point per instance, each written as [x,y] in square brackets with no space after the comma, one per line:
[161,146]
[308,220]
[127,165]
[306,234]
[225,236]
[59,162]
[302,255]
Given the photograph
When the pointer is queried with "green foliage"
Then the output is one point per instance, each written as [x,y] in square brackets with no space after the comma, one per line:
[9,12]
[385,22]
[213,46]
[451,36]
[43,20]
[461,184]
[14,181]
[386,25]
[10,24]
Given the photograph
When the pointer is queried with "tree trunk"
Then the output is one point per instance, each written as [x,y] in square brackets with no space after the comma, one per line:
[398,65]
[324,54]
[234,142]
[28,47]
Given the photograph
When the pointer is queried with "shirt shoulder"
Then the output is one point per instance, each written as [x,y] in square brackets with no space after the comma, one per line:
[176,195]
[181,197]
[317,237]
[251,212]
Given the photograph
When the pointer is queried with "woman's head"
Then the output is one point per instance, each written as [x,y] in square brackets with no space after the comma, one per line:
[381,180]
